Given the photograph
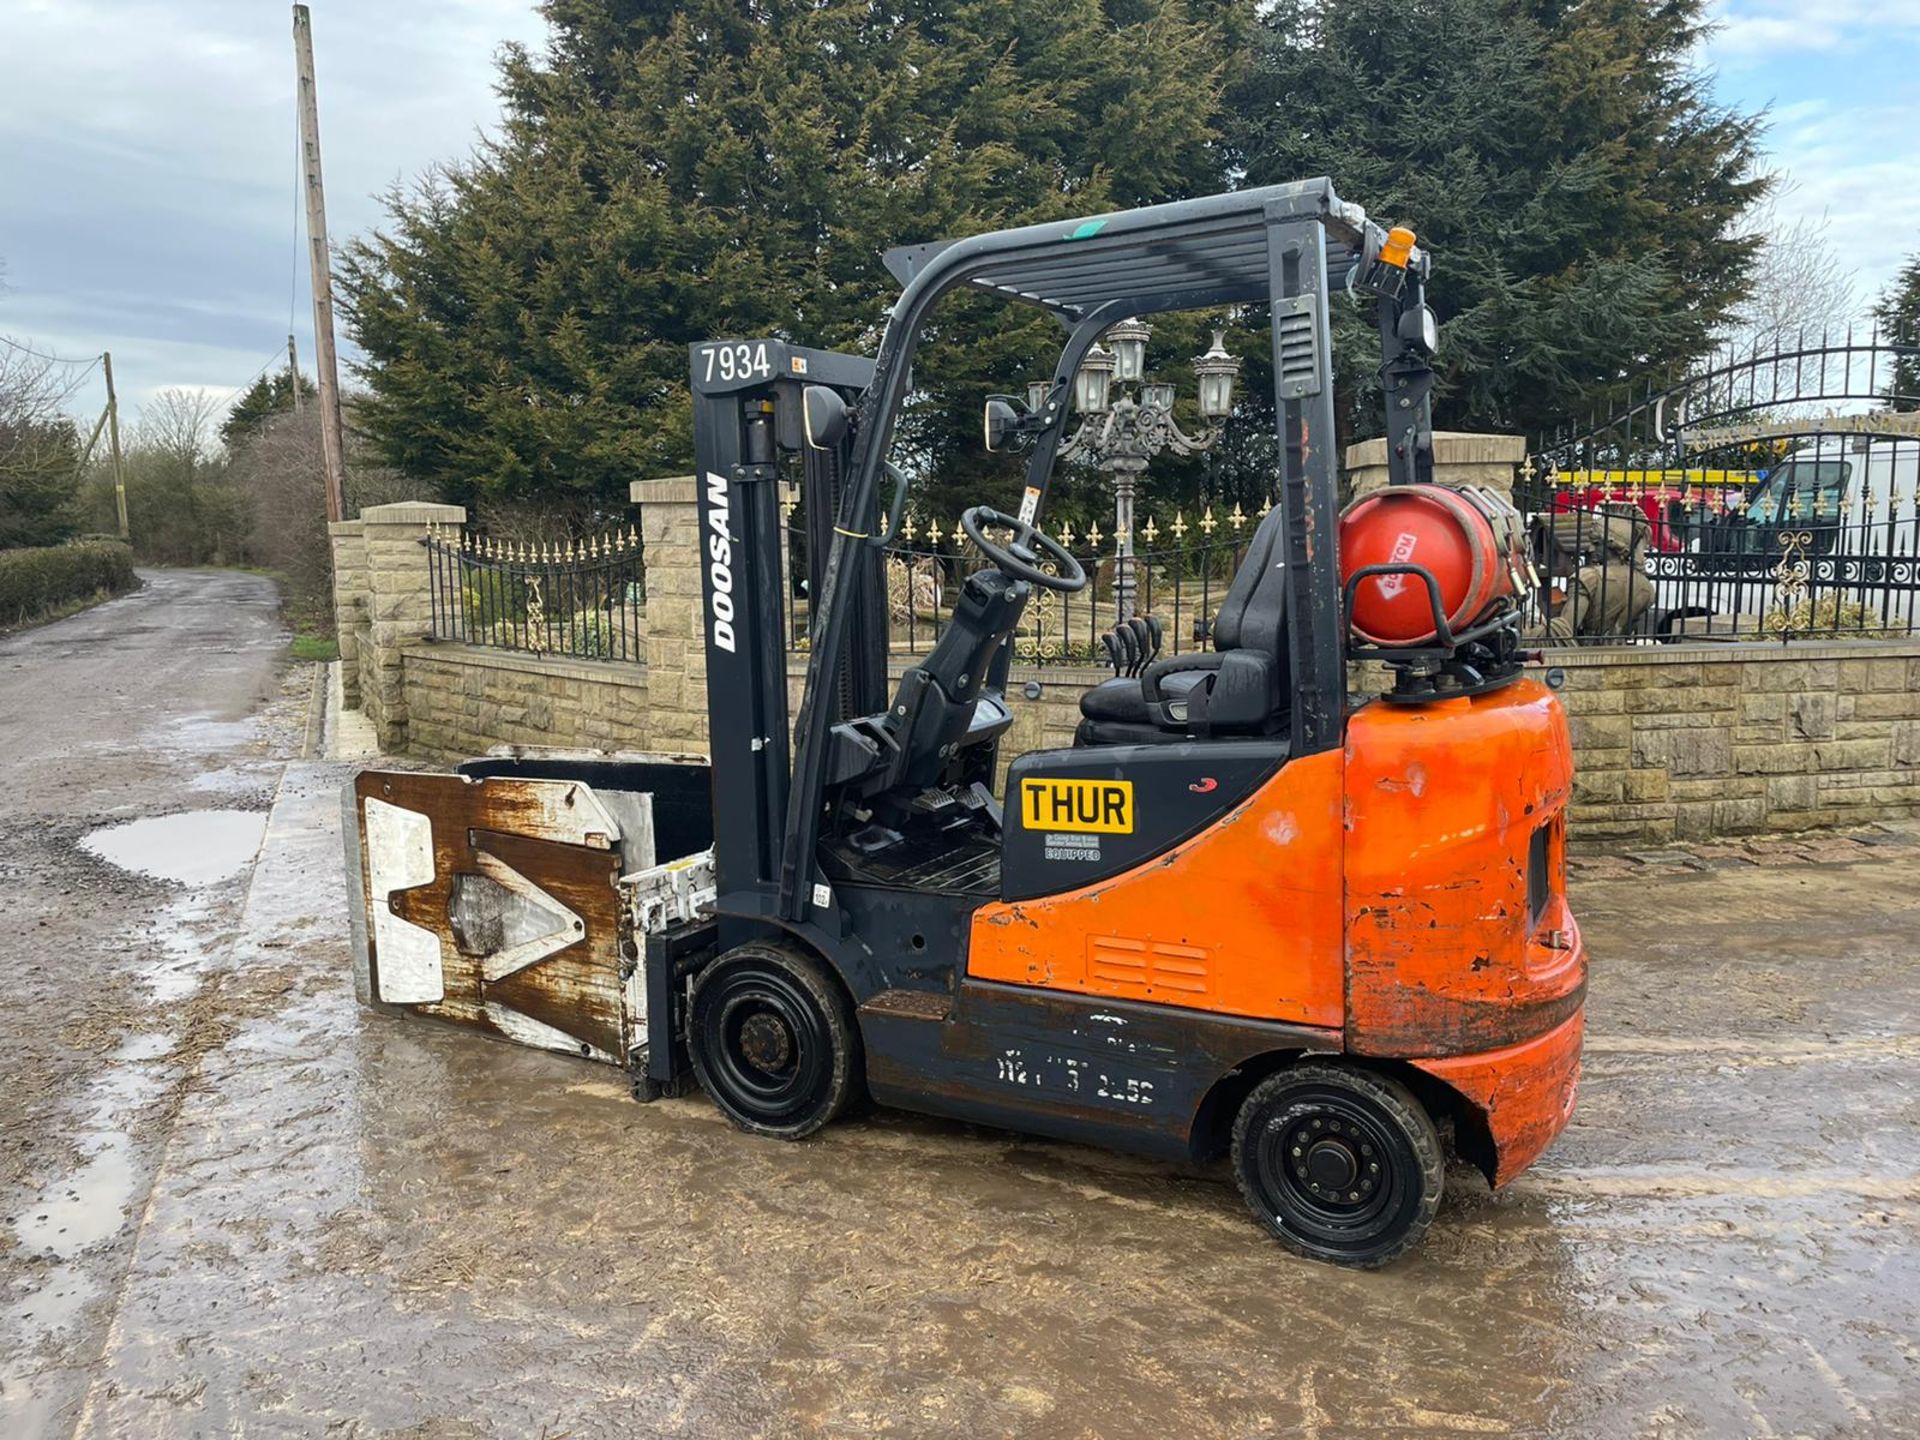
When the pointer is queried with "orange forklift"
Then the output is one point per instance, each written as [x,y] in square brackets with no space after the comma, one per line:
[1246,913]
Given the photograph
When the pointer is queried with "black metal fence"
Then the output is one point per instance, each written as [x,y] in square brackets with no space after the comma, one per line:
[1774,494]
[584,599]
[1803,547]
[1179,573]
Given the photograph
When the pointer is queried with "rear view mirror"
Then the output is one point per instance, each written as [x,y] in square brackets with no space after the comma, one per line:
[1002,421]
[824,412]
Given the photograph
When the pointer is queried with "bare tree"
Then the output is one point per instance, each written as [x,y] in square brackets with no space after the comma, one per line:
[1801,296]
[179,424]
[38,447]
[278,469]
[185,510]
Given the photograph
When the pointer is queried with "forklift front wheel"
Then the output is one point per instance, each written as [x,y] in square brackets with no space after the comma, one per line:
[773,1040]
[1339,1164]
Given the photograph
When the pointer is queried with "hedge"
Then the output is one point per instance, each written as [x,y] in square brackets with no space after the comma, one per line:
[35,581]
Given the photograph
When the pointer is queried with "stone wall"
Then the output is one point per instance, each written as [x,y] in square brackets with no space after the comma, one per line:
[1458,459]
[462,700]
[349,601]
[399,607]
[1684,742]
[676,648]
[1670,742]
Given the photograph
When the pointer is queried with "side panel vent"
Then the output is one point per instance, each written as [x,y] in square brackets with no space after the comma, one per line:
[1119,965]
[1296,331]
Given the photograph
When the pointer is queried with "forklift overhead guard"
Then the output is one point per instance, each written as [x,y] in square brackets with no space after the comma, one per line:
[1244,913]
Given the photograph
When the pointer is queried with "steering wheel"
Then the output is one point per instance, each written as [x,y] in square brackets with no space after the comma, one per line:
[1021,558]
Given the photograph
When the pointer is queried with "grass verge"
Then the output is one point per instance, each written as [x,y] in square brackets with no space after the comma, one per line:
[62,611]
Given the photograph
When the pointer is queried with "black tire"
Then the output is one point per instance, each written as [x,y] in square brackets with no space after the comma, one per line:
[773,1040]
[1339,1164]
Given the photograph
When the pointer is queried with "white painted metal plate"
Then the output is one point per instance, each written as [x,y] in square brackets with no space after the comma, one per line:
[399,857]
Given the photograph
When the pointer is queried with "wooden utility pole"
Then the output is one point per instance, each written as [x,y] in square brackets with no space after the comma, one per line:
[320,265]
[113,445]
[293,371]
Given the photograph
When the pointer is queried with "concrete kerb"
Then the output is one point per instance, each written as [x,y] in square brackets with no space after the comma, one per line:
[348,734]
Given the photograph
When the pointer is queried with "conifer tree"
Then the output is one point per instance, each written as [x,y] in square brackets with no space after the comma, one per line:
[669,173]
[1898,313]
[1577,182]
[268,396]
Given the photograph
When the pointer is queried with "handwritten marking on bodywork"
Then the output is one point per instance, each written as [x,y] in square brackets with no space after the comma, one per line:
[1011,1067]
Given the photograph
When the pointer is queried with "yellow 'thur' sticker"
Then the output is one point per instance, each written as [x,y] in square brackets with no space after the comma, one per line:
[1100,807]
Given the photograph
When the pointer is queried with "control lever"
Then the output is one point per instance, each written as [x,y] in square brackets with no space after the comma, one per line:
[1133,644]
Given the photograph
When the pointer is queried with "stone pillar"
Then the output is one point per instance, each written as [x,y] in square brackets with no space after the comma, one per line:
[1458,459]
[399,605]
[676,649]
[349,601]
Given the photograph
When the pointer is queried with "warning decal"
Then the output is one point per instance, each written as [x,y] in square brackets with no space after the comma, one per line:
[1088,807]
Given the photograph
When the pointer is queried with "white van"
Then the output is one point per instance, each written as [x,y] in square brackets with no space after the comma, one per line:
[1843,504]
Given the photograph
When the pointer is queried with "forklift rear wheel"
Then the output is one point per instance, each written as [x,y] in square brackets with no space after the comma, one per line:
[773,1040]
[1339,1164]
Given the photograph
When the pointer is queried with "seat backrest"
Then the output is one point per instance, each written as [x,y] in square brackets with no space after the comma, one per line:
[1254,614]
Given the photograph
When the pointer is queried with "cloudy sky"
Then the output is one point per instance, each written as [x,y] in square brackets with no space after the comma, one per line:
[147,161]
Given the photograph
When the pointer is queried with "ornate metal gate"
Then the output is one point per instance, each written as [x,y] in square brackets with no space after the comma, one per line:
[1767,496]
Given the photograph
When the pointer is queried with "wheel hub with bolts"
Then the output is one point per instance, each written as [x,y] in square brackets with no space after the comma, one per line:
[1338,1163]
[1330,1167]
[766,1042]
[773,1040]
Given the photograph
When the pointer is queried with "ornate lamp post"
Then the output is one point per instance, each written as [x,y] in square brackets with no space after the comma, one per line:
[1120,436]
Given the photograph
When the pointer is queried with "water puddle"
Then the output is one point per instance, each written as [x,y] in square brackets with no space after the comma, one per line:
[150,1045]
[197,848]
[88,1206]
[180,944]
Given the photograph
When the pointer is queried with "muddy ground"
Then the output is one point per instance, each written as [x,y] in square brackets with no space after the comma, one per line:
[267,1213]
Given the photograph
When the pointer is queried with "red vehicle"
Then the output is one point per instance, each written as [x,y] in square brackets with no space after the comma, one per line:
[1672,500]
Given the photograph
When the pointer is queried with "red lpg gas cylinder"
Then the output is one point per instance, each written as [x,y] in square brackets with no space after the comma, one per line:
[1470,540]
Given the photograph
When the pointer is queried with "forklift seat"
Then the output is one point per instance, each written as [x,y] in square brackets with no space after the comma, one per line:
[1240,688]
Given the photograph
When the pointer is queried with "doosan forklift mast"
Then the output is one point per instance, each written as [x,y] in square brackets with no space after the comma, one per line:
[1243,913]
